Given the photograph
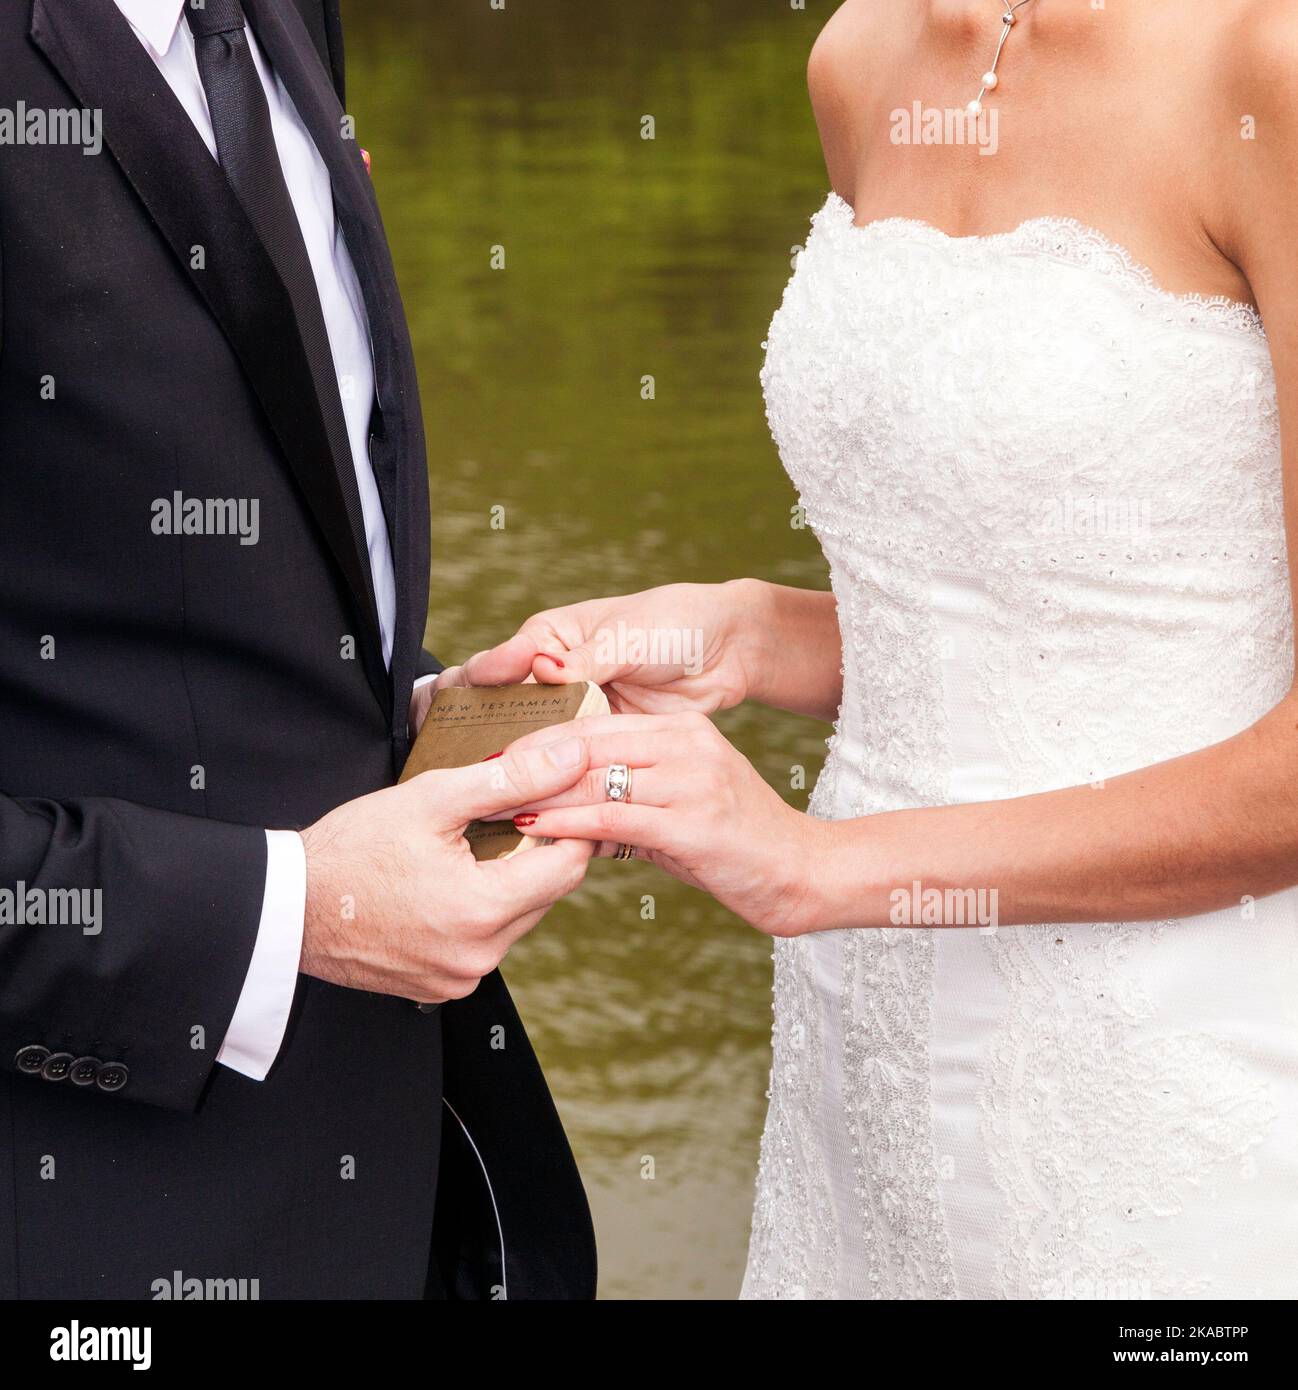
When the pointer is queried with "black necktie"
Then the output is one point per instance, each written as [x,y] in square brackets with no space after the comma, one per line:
[245,145]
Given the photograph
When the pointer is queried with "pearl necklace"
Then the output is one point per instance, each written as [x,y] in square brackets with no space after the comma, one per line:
[989,79]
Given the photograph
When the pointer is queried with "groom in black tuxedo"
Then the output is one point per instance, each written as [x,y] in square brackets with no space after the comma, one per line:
[213,589]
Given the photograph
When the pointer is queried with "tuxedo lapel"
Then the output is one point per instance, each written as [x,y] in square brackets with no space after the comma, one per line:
[397,449]
[188,197]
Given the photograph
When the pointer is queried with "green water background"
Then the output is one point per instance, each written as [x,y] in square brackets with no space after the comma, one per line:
[522,128]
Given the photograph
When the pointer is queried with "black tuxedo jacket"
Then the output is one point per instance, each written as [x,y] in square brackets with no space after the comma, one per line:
[166,697]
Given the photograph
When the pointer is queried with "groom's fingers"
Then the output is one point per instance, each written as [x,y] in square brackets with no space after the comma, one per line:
[529,883]
[457,795]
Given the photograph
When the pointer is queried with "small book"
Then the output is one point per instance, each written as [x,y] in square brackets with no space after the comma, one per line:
[467,724]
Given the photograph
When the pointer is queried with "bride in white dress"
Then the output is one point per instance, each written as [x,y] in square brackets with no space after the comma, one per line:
[1036,983]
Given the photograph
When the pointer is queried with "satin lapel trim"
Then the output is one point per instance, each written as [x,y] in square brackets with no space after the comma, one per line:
[154,143]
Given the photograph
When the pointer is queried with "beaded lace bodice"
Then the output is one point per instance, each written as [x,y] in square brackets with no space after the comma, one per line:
[985,407]
[1049,493]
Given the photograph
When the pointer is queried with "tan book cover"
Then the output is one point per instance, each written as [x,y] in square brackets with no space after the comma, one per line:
[466,724]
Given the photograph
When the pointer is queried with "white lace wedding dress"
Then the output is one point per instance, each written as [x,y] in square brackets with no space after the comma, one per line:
[1050,496]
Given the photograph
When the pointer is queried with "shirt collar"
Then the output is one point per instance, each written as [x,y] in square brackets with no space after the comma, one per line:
[156,21]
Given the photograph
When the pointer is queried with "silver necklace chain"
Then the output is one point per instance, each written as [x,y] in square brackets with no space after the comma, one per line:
[990,79]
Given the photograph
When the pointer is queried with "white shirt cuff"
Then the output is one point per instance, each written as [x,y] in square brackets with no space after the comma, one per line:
[420,681]
[256,1031]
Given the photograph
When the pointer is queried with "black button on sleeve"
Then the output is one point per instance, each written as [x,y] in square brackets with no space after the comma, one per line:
[57,1065]
[31,1058]
[112,1076]
[84,1071]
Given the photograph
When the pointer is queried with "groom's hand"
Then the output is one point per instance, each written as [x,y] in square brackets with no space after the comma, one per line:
[397,904]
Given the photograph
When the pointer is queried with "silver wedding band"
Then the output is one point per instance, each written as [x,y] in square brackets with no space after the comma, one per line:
[624,852]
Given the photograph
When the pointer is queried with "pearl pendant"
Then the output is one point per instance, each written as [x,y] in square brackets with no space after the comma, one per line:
[989,80]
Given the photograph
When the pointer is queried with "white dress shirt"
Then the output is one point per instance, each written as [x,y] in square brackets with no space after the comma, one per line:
[257,1028]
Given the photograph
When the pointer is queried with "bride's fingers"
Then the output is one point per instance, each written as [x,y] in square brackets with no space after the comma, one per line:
[579,663]
[631,742]
[614,822]
[507,664]
[650,786]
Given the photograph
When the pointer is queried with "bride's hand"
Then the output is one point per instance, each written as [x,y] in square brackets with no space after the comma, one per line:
[678,647]
[697,808]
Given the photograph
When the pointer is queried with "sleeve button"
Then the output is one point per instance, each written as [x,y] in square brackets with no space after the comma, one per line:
[31,1058]
[57,1065]
[112,1076]
[84,1071]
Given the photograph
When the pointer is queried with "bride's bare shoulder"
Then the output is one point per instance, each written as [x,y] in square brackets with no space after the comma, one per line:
[1253,155]
[1258,43]
[852,32]
[846,53]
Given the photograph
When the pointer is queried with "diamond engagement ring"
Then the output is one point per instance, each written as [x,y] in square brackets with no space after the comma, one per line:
[617,782]
[617,787]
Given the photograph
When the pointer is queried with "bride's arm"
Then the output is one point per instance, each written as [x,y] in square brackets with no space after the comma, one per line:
[798,664]
[1213,829]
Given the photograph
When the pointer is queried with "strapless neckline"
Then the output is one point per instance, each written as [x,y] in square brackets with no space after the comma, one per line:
[1063,239]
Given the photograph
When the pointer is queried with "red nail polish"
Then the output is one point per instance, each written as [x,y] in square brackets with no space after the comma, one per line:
[526,819]
[489,756]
